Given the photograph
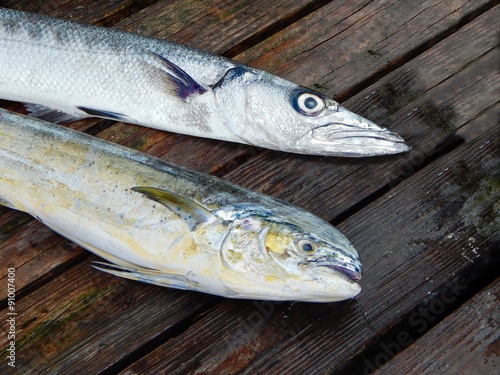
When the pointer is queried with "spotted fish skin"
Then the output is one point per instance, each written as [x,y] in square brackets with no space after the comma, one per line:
[162,224]
[66,71]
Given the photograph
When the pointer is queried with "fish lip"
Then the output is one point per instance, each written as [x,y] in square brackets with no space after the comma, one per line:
[344,133]
[354,140]
[351,272]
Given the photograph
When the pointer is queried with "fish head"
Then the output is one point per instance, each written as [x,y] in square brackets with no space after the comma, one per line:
[279,258]
[285,116]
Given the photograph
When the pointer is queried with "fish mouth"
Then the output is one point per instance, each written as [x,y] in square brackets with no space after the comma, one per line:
[352,135]
[349,273]
[348,270]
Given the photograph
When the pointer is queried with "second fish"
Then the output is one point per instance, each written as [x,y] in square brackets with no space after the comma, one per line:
[68,71]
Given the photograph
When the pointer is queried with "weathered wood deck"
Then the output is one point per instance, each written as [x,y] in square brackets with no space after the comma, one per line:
[426,223]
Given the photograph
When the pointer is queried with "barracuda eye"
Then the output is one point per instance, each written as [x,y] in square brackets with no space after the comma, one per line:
[306,246]
[308,103]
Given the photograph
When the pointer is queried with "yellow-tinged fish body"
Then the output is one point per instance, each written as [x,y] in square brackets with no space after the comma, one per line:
[162,224]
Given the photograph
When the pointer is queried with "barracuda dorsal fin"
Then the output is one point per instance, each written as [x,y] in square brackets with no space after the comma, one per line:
[173,79]
[191,212]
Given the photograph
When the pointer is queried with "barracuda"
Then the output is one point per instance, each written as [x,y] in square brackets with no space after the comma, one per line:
[67,71]
[169,226]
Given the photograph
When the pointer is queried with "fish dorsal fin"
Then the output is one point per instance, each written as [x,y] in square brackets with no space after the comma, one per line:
[51,115]
[173,79]
[191,212]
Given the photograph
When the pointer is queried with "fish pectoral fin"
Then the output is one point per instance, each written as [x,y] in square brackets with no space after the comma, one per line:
[146,275]
[104,114]
[4,202]
[173,79]
[193,213]
[51,115]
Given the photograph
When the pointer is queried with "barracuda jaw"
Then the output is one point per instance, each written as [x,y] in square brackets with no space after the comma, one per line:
[348,134]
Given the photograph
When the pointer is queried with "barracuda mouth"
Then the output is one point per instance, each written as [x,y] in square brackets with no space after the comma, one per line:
[344,133]
[351,140]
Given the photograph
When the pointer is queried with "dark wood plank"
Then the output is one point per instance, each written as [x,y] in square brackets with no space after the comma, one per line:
[467,342]
[215,25]
[361,39]
[426,100]
[431,242]
[34,251]
[415,243]
[97,12]
[74,323]
[327,335]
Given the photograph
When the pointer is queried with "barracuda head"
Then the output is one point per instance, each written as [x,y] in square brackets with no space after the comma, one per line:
[288,117]
[272,257]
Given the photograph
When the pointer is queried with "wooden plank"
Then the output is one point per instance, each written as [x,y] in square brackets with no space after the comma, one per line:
[368,37]
[80,315]
[424,100]
[301,321]
[200,154]
[432,242]
[216,26]
[432,250]
[97,12]
[467,342]
[35,252]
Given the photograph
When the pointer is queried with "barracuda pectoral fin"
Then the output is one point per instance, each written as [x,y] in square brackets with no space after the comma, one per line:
[173,79]
[104,114]
[193,213]
[51,115]
[147,275]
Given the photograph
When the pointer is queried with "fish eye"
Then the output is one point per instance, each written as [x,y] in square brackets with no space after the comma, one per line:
[309,104]
[306,246]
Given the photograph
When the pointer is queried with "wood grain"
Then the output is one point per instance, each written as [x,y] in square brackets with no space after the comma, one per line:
[430,250]
[424,223]
[98,12]
[425,101]
[466,342]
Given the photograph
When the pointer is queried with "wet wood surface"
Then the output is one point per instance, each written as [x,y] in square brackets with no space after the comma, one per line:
[426,223]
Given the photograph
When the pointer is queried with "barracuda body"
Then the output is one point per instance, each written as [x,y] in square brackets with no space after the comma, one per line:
[165,225]
[67,71]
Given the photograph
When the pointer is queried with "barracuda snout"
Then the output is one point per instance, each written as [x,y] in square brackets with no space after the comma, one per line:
[341,132]
[269,111]
[348,134]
